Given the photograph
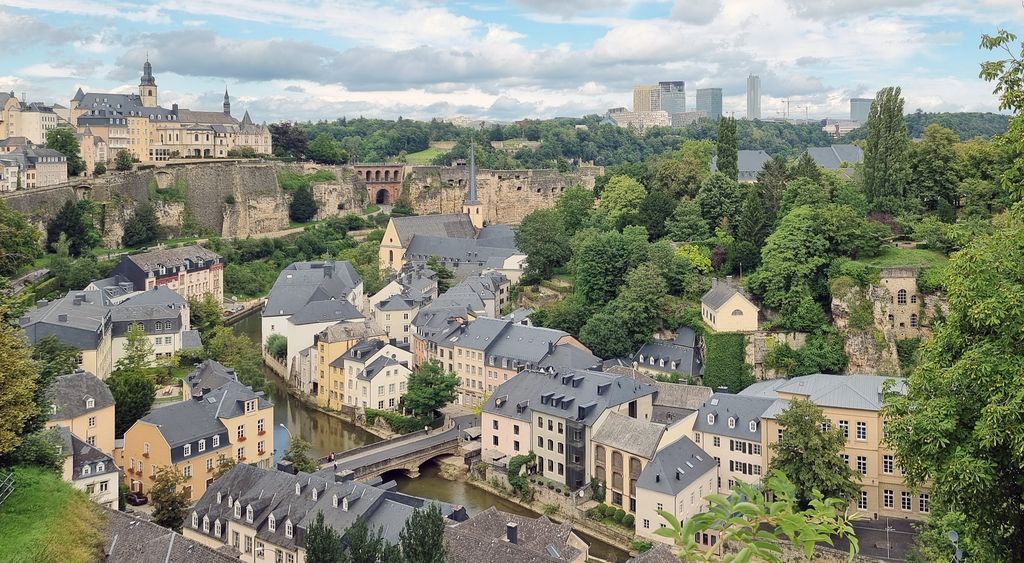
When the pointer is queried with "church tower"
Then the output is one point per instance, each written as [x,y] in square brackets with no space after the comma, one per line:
[472,205]
[227,103]
[147,86]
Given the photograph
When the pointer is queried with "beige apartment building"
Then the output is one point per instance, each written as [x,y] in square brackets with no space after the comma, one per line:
[373,374]
[853,404]
[89,470]
[232,421]
[676,480]
[82,403]
[331,344]
[730,429]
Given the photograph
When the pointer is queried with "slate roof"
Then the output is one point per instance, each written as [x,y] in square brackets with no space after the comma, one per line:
[184,422]
[742,409]
[157,303]
[675,467]
[81,325]
[172,257]
[228,400]
[210,374]
[578,395]
[657,554]
[206,117]
[329,310]
[271,492]
[457,250]
[680,359]
[568,356]
[452,225]
[832,157]
[720,292]
[483,539]
[858,392]
[377,366]
[350,331]
[69,393]
[681,395]
[82,454]
[303,282]
[630,435]
[685,336]
[191,340]
[497,236]
[396,303]
[133,540]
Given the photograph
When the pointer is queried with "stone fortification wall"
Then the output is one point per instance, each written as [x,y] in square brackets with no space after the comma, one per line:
[507,195]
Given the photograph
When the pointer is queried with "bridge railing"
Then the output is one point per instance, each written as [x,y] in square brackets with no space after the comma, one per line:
[426,453]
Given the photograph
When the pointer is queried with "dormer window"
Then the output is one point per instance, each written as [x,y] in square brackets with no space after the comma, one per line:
[314,493]
[187,450]
[272,523]
[206,524]
[220,497]
[85,470]
[288,528]
[248,513]
[298,489]
[732,422]
[90,403]
[53,409]
[216,528]
[711,418]
[195,520]
[753,426]
[100,467]
[334,501]
[238,509]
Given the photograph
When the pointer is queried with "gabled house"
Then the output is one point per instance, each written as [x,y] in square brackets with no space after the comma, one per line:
[82,403]
[727,308]
[676,480]
[89,470]
[191,271]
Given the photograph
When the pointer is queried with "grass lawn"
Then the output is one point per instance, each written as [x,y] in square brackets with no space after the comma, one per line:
[911,257]
[425,156]
[46,519]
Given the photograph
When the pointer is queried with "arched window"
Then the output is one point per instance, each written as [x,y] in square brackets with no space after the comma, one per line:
[100,467]
[901,297]
[753,426]
[711,418]
[732,422]
[86,470]
[737,313]
[599,454]
[616,461]
[617,480]
[197,140]
[913,319]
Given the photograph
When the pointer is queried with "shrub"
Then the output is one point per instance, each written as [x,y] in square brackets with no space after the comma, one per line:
[597,489]
[515,465]
[100,169]
[550,508]
[642,546]
[619,515]
[396,422]
[277,345]
[229,199]
[628,520]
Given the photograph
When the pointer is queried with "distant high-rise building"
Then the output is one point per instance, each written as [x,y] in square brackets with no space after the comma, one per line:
[753,97]
[709,101]
[860,108]
[673,96]
[646,97]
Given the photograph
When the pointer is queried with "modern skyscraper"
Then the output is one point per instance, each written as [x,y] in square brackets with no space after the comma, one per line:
[860,108]
[753,97]
[709,100]
[673,96]
[646,97]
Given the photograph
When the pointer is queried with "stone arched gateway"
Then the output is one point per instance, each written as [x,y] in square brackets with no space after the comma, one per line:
[383,181]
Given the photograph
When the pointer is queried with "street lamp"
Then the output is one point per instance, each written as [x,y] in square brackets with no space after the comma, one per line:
[286,430]
[954,538]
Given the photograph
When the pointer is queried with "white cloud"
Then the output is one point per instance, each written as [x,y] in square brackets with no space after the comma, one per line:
[696,11]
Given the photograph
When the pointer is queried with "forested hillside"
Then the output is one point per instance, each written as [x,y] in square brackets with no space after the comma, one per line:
[966,125]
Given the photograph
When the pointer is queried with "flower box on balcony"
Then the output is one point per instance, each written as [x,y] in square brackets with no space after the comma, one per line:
[262,432]
[241,438]
[241,458]
[145,454]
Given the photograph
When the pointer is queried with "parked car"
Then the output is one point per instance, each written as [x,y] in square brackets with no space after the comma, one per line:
[137,499]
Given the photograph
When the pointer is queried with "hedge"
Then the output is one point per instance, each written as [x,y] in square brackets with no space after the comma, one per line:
[725,364]
[397,422]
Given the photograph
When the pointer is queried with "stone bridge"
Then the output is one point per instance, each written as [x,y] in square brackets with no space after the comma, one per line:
[406,453]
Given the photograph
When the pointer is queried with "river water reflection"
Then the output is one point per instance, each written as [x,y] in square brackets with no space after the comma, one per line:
[329,434]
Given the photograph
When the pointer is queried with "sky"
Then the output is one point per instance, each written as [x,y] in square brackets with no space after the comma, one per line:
[297,60]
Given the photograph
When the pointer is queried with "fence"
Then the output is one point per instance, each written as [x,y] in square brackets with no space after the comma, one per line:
[6,487]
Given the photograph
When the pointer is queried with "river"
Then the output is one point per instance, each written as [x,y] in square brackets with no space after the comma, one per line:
[330,434]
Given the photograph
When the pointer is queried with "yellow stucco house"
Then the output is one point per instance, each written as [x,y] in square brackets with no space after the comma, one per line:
[82,403]
[726,308]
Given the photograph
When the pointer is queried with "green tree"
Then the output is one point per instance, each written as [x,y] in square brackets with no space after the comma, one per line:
[169,498]
[444,275]
[74,221]
[224,464]
[599,264]
[362,545]
[298,454]
[887,153]
[123,161]
[277,345]
[806,168]
[429,388]
[71,273]
[606,336]
[686,223]
[639,305]
[745,518]
[575,207]
[655,211]
[142,228]
[19,241]
[133,392]
[422,538]
[53,358]
[323,544]
[99,169]
[543,238]
[958,425]
[620,202]
[720,198]
[303,207]
[810,450]
[802,191]
[240,352]
[326,150]
[138,350]
[62,140]
[756,222]
[727,149]
[206,314]
[934,167]
[41,448]
[18,380]
[1008,73]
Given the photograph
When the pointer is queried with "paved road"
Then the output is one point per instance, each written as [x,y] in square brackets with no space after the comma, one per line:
[872,537]
[390,450]
[19,283]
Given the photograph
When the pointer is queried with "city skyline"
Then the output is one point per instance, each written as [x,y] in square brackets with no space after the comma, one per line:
[502,61]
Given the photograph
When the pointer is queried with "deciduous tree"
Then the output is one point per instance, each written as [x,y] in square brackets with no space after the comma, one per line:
[543,238]
[686,223]
[73,220]
[169,498]
[323,543]
[620,202]
[19,241]
[123,161]
[429,388]
[422,538]
[142,229]
[934,167]
[575,208]
[62,140]
[298,454]
[133,393]
[18,379]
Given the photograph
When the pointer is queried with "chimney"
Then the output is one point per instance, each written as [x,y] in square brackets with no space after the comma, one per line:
[62,318]
[41,303]
[512,532]
[328,269]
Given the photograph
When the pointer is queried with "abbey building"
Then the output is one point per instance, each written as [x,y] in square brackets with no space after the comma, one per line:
[137,123]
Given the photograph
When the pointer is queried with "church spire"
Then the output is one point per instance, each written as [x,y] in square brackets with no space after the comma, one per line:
[227,102]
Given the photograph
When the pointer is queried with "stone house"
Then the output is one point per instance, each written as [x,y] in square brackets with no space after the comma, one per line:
[726,308]
[905,309]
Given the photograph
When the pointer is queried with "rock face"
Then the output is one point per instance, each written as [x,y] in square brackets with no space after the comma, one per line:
[238,199]
[761,342]
[870,345]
